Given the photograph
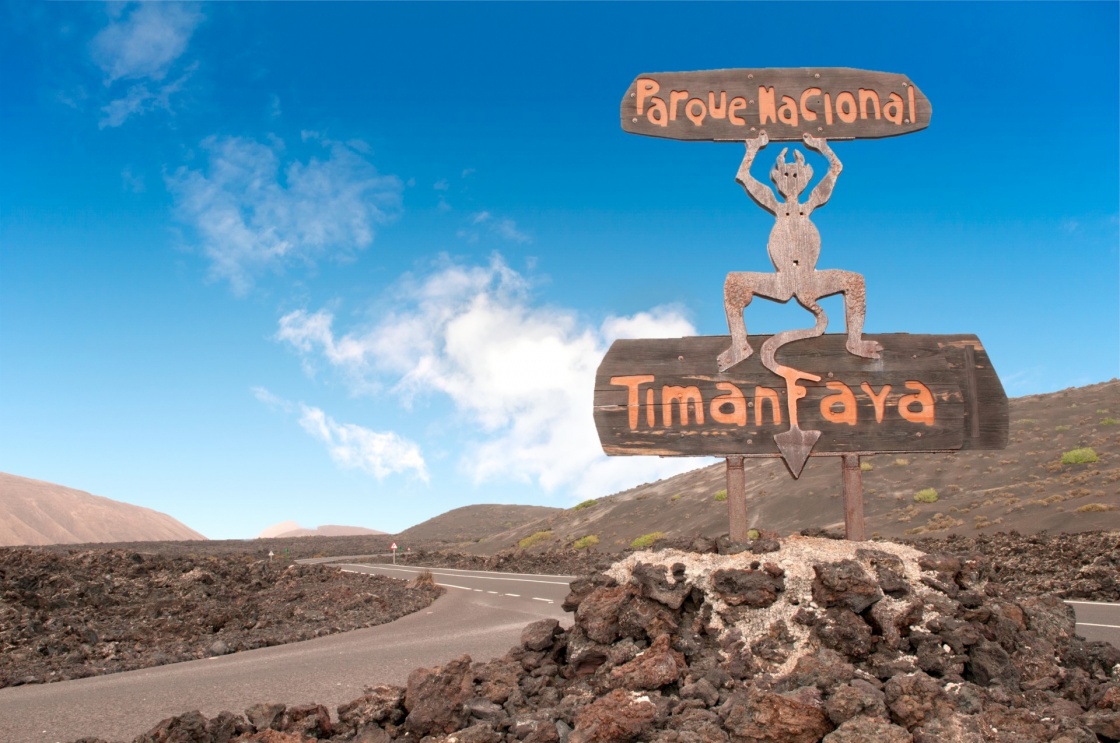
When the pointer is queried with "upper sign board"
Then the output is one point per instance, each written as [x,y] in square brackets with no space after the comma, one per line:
[734,105]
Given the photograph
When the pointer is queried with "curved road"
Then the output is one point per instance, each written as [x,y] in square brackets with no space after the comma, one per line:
[483,615]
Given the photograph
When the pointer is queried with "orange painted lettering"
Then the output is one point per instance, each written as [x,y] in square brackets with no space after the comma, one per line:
[845,399]
[892,109]
[675,98]
[767,110]
[765,394]
[879,400]
[923,399]
[788,111]
[683,396]
[865,97]
[695,111]
[646,88]
[846,107]
[734,398]
[737,104]
[807,113]
[632,383]
[720,111]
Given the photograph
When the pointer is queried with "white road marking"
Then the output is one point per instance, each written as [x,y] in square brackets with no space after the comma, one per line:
[467,575]
[493,592]
[1092,603]
[1090,624]
[550,601]
[515,595]
[453,586]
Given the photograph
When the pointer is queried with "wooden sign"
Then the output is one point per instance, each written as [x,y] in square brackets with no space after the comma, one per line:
[787,103]
[928,393]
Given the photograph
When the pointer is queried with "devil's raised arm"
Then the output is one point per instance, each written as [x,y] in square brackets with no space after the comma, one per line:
[823,192]
[757,190]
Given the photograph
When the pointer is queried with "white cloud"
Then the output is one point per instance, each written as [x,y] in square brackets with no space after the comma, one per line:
[271,400]
[139,100]
[251,218]
[503,227]
[354,447]
[145,40]
[380,453]
[142,44]
[524,375]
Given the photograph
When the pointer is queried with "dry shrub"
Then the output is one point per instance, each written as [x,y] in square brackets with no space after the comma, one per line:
[423,579]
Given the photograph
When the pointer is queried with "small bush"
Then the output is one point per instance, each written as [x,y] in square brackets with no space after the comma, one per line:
[721,495]
[423,579]
[646,540]
[927,495]
[1109,422]
[902,461]
[532,539]
[1062,429]
[676,497]
[584,542]
[1093,507]
[866,466]
[1084,455]
[586,504]
[753,534]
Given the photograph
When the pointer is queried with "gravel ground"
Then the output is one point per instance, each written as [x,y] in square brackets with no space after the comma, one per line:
[91,612]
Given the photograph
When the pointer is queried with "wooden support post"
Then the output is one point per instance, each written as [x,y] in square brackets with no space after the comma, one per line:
[737,499]
[853,498]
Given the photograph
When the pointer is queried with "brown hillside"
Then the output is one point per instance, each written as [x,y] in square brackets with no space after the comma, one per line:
[33,512]
[1024,487]
[471,523]
[328,530]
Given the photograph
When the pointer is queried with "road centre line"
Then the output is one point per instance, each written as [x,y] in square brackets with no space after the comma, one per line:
[1090,624]
[466,588]
[465,570]
[476,577]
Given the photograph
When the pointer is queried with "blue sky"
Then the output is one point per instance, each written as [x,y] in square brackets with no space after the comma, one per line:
[356,263]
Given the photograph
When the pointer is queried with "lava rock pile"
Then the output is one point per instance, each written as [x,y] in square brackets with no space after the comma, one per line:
[816,640]
[86,613]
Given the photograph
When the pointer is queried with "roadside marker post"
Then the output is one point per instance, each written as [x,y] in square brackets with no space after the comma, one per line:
[829,395]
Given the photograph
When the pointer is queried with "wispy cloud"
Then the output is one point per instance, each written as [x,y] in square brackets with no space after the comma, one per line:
[254,214]
[524,375]
[139,47]
[354,447]
[485,222]
[379,453]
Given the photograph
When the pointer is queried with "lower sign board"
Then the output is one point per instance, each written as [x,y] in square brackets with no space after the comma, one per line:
[925,393]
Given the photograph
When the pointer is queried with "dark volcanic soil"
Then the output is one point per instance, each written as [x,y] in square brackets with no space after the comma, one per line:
[807,640]
[1070,566]
[86,613]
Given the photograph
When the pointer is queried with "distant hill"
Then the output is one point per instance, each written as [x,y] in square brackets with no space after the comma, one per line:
[33,512]
[1024,487]
[292,529]
[470,523]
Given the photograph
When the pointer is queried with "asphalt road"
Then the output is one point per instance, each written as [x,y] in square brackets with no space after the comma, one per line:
[481,614]
[329,670]
[1098,620]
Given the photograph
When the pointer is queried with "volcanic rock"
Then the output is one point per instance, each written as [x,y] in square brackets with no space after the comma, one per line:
[827,641]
